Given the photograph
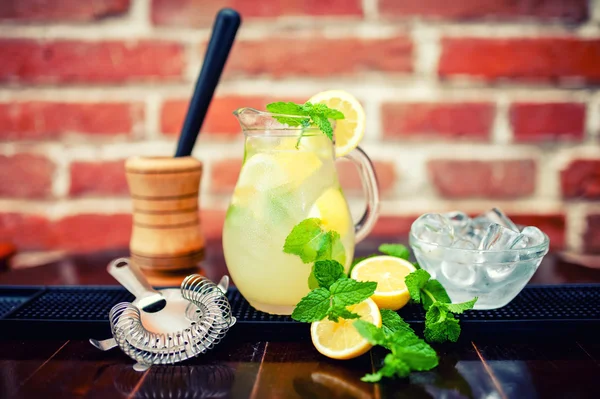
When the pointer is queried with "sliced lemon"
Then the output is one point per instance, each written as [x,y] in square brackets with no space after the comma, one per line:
[266,171]
[350,130]
[332,209]
[341,340]
[389,273]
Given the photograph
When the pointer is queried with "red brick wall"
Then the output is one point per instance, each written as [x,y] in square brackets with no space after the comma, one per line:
[470,104]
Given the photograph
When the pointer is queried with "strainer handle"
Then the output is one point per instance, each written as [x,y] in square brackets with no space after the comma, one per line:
[132,278]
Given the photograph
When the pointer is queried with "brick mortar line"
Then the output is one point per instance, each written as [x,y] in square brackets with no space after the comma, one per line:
[576,223]
[370,9]
[407,91]
[592,122]
[133,28]
[502,133]
[547,182]
[152,117]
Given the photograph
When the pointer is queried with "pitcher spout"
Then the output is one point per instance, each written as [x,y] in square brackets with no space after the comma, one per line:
[248,117]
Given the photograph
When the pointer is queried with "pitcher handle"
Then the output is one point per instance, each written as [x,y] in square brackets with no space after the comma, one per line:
[369,183]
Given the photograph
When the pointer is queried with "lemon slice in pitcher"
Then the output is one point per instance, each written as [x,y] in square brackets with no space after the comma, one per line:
[331,208]
[350,130]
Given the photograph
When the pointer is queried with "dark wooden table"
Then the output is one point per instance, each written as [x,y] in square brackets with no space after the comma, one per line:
[564,368]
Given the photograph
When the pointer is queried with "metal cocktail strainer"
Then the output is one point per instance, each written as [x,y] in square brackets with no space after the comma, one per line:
[169,325]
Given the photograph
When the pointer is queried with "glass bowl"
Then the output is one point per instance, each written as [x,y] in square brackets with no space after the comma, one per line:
[495,277]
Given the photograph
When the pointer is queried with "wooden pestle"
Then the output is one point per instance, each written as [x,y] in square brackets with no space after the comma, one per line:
[166,236]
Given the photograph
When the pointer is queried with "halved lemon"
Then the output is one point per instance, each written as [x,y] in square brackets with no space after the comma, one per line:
[341,340]
[389,273]
[350,130]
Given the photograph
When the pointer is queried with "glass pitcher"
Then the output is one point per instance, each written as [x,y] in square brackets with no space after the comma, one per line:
[288,175]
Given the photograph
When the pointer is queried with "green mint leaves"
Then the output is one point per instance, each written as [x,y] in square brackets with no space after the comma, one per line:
[332,290]
[408,352]
[334,293]
[440,323]
[328,272]
[392,322]
[397,250]
[311,242]
[314,114]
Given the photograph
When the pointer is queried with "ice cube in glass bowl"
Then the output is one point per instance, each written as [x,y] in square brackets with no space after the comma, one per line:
[495,276]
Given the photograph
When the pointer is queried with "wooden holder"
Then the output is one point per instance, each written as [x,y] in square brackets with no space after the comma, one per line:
[166,236]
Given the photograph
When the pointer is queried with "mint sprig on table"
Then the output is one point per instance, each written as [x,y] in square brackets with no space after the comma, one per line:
[408,352]
[332,291]
[335,292]
[440,323]
[313,115]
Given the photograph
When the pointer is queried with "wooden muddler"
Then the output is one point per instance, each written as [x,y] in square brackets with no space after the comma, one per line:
[166,236]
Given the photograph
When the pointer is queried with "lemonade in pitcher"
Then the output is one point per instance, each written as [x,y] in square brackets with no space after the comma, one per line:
[288,176]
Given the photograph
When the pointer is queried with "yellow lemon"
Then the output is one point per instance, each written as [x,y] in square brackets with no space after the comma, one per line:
[341,340]
[389,273]
[350,130]
[332,209]
[270,170]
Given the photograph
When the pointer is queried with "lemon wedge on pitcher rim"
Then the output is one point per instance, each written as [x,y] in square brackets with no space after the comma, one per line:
[389,273]
[341,340]
[348,131]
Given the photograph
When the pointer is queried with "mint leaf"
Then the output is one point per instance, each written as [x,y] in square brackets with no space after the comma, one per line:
[323,124]
[394,365]
[311,243]
[461,307]
[327,272]
[397,250]
[323,110]
[313,307]
[332,248]
[433,290]
[316,114]
[370,332]
[415,352]
[312,281]
[440,326]
[409,352]
[349,292]
[288,108]
[340,311]
[306,240]
[392,322]
[332,113]
[415,281]
[338,252]
[374,377]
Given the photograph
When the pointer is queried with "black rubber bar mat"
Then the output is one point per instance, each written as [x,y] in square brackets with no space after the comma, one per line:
[75,312]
